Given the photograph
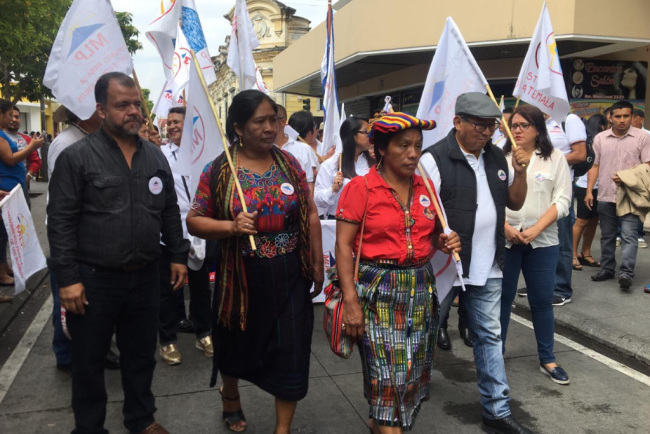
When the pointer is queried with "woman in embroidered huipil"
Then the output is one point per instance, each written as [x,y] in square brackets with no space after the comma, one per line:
[394,310]
[263,314]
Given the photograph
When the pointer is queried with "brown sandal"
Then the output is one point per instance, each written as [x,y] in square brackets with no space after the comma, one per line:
[232,417]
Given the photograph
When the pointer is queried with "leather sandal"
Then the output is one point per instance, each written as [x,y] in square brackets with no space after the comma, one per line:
[576,264]
[230,418]
[593,263]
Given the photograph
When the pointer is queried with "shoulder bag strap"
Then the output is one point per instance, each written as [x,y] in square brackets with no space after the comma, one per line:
[363,225]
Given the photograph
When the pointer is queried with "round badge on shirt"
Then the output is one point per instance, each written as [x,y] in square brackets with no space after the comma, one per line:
[540,177]
[429,214]
[155,185]
[287,189]
[425,201]
[502,175]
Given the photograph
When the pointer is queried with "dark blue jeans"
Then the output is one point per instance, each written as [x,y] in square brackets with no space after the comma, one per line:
[126,302]
[61,345]
[538,266]
[564,267]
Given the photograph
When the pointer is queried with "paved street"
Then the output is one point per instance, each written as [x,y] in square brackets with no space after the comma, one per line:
[608,392]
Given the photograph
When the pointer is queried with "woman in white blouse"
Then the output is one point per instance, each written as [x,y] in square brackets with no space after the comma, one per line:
[356,161]
[532,245]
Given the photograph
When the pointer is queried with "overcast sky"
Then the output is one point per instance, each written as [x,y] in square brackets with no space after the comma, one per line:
[215,27]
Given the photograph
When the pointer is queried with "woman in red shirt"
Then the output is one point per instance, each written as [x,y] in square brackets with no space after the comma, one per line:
[394,311]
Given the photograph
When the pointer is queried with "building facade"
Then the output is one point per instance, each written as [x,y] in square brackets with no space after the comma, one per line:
[382,49]
[277,27]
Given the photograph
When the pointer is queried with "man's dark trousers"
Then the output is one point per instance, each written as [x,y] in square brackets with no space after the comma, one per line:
[126,302]
[200,302]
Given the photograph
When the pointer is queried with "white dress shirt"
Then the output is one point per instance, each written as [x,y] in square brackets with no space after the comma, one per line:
[483,265]
[574,132]
[549,183]
[305,156]
[183,193]
[326,200]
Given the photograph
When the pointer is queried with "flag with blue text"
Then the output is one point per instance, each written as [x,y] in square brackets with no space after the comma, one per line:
[540,82]
[453,72]
[201,142]
[328,82]
[89,44]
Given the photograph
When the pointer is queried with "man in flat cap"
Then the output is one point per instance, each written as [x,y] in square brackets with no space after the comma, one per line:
[473,182]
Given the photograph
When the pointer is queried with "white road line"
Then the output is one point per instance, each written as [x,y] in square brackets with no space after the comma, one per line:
[613,364]
[19,355]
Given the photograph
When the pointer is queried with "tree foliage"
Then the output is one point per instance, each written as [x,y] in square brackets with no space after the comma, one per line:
[129,31]
[27,31]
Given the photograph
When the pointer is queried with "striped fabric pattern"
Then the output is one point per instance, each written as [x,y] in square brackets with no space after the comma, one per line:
[401,316]
[397,121]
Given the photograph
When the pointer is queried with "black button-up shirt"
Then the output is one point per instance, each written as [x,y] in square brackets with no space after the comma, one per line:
[104,213]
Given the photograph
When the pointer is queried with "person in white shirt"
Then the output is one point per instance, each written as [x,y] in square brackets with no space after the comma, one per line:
[586,219]
[355,161]
[500,136]
[572,141]
[198,272]
[301,151]
[638,117]
[532,245]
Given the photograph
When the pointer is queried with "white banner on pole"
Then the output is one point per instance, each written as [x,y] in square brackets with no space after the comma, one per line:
[243,41]
[540,82]
[201,141]
[328,229]
[26,254]
[89,44]
[453,72]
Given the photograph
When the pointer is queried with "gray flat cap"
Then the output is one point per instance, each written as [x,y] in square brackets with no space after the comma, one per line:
[477,104]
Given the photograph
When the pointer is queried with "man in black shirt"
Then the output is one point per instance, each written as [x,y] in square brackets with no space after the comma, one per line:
[111,197]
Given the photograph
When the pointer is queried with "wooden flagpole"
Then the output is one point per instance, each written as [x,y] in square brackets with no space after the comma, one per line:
[434,199]
[340,161]
[144,101]
[505,124]
[517,102]
[501,101]
[225,143]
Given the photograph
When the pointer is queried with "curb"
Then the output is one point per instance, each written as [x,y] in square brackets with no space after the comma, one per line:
[9,311]
[624,343]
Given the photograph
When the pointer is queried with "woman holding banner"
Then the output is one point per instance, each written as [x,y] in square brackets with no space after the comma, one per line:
[393,310]
[354,161]
[532,244]
[263,314]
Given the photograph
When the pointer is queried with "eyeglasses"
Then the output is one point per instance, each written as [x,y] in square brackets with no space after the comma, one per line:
[482,127]
[364,132]
[523,125]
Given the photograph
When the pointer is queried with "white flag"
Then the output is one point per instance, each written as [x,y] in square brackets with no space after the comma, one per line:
[181,64]
[26,254]
[165,101]
[337,136]
[243,41]
[540,82]
[328,233]
[89,44]
[162,33]
[291,133]
[328,81]
[452,73]
[259,82]
[201,141]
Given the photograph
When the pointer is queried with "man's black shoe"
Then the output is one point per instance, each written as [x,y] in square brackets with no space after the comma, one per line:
[444,343]
[507,425]
[186,326]
[112,360]
[602,276]
[467,336]
[625,282]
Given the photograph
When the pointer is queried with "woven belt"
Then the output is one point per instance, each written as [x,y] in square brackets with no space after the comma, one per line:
[271,245]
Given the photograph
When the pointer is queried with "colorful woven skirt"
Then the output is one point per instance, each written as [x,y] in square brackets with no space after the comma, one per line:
[401,316]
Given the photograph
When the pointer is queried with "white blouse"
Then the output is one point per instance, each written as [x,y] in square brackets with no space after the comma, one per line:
[549,182]
[326,200]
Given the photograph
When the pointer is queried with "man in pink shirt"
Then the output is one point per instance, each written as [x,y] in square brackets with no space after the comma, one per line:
[619,148]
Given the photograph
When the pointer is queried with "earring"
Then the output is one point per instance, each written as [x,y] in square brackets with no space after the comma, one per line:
[241,142]
[380,161]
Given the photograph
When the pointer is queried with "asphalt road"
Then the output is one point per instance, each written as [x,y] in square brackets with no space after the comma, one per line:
[608,392]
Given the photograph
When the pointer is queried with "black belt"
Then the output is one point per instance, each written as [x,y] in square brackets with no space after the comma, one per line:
[127,267]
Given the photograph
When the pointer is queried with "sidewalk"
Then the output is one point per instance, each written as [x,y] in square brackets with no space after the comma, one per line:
[604,313]
[8,311]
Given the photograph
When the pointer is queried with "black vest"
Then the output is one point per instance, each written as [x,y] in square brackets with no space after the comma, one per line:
[458,192]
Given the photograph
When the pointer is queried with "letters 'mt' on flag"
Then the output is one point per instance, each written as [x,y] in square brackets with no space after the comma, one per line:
[243,41]
[201,141]
[26,253]
[540,82]
[453,72]
[328,81]
[89,44]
